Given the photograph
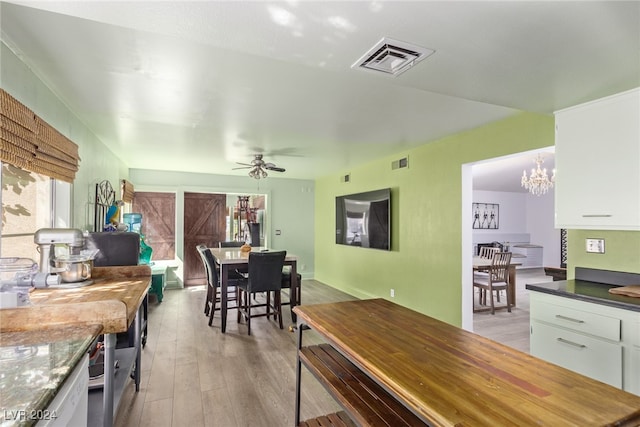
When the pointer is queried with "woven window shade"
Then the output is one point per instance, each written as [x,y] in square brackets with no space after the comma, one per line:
[30,143]
[127,191]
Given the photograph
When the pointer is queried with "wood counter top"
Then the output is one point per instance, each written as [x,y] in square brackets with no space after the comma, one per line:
[111,301]
[451,377]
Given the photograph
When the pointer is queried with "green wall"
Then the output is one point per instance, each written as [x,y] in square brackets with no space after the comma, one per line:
[97,162]
[622,251]
[290,206]
[424,265]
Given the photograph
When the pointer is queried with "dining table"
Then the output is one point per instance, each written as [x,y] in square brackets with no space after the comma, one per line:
[482,264]
[230,259]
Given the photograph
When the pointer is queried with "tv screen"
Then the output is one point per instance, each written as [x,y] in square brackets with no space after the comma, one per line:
[364,219]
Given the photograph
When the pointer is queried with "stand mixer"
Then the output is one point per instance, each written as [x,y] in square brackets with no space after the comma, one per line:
[47,238]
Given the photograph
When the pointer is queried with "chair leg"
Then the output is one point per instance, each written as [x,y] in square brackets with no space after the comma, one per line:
[278,303]
[207,300]
[493,307]
[248,313]
[268,296]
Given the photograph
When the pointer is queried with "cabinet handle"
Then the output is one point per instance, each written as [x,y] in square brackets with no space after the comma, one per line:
[596,215]
[562,340]
[570,319]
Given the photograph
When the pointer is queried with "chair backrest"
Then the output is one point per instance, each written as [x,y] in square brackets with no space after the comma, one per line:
[209,265]
[500,267]
[487,252]
[265,271]
[230,244]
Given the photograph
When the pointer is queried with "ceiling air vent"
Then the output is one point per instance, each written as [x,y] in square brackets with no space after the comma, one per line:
[392,57]
[345,178]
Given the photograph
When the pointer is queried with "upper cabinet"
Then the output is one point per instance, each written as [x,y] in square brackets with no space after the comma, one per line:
[598,164]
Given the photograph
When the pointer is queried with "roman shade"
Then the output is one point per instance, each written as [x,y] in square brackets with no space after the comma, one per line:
[127,191]
[30,143]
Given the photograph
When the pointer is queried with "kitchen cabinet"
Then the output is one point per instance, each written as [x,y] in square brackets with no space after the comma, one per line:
[531,255]
[594,340]
[598,164]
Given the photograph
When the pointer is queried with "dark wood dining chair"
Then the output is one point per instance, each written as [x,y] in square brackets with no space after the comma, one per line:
[211,288]
[265,275]
[213,284]
[497,280]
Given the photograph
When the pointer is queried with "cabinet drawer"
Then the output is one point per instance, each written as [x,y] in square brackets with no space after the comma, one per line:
[578,320]
[585,355]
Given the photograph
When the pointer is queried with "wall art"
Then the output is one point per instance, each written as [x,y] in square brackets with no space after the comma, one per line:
[486,216]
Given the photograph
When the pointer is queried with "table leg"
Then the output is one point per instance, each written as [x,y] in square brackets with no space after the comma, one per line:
[109,373]
[138,346]
[296,289]
[512,285]
[224,279]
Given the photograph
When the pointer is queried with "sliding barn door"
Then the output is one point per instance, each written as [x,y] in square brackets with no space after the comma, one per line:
[204,222]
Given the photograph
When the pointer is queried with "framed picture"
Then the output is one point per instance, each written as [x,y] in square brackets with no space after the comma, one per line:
[486,216]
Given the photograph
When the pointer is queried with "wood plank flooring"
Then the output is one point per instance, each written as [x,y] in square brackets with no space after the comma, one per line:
[193,375]
[511,329]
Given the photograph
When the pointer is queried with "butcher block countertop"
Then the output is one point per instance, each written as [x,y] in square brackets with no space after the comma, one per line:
[111,301]
[451,377]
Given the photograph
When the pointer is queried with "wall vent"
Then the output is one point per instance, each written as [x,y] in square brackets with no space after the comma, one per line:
[392,57]
[401,163]
[345,178]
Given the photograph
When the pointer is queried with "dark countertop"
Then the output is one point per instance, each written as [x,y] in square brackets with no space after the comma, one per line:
[35,364]
[587,291]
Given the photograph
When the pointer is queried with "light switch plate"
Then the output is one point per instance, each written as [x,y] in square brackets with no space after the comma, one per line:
[595,246]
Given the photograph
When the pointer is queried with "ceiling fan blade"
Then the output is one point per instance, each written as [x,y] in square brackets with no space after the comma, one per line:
[275,168]
[243,167]
[245,164]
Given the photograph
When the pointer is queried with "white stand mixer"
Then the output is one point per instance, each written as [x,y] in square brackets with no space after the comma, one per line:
[47,238]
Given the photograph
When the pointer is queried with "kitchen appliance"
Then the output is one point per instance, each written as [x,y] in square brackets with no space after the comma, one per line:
[62,252]
[48,238]
[74,268]
[17,276]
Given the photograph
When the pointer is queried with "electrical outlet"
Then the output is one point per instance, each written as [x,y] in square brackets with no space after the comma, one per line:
[393,293]
[595,246]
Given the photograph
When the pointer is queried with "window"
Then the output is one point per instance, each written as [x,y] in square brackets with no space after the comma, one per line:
[30,201]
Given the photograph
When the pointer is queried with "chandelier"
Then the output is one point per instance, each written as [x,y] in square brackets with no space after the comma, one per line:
[538,182]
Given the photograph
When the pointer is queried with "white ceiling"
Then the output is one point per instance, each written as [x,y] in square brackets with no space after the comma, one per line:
[201,85]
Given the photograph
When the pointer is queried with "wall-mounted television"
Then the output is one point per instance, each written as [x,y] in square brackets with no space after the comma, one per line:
[364,219]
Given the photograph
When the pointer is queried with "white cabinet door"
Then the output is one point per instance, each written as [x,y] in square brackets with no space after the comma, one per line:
[598,164]
[592,357]
[595,340]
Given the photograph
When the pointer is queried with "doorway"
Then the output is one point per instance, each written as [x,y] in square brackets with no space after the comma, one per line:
[507,171]
[205,217]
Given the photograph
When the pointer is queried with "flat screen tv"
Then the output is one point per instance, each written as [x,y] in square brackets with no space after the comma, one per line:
[364,219]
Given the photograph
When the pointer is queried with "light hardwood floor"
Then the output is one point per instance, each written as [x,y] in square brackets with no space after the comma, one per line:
[193,375]
[511,329]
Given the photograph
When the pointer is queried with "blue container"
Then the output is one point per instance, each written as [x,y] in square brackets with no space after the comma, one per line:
[133,221]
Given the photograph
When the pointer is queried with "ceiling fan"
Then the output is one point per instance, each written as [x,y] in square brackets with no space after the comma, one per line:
[258,167]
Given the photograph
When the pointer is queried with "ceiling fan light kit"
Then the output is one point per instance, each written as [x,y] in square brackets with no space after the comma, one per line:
[258,167]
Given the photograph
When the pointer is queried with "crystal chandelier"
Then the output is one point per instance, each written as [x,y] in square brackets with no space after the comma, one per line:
[538,182]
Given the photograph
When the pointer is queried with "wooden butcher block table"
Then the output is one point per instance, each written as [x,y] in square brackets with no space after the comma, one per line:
[113,302]
[447,376]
